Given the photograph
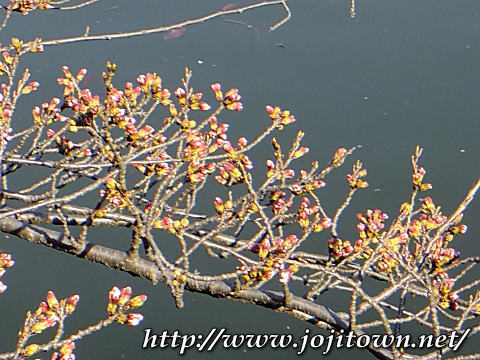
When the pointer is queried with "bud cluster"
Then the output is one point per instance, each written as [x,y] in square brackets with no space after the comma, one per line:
[120,301]
[5,263]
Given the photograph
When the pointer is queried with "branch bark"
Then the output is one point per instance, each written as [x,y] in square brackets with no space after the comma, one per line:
[309,311]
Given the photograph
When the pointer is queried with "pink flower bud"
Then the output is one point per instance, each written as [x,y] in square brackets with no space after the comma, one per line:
[52,301]
[134,319]
[204,106]
[216,87]
[180,93]
[114,295]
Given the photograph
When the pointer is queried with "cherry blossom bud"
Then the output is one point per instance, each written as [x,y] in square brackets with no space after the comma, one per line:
[242,142]
[204,106]
[72,302]
[300,152]
[114,295]
[339,157]
[180,93]
[217,89]
[30,350]
[125,295]
[134,319]
[52,301]
[141,79]
[137,301]
[81,74]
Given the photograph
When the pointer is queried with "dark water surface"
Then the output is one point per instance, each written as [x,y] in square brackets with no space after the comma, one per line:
[401,74]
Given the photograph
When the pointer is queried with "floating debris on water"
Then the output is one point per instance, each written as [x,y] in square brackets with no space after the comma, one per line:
[174,33]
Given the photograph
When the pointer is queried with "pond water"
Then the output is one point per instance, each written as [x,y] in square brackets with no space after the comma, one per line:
[399,74]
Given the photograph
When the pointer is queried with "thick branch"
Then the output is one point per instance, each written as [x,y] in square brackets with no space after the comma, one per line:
[298,307]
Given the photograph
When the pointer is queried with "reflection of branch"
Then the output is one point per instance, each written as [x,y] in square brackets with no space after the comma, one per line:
[78,6]
[246,25]
[300,308]
[185,23]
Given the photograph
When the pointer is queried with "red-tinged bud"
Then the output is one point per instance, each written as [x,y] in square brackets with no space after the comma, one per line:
[254,247]
[110,183]
[81,74]
[3,287]
[220,179]
[219,205]
[87,152]
[146,132]
[286,274]
[235,106]
[453,305]
[227,146]
[137,301]
[210,167]
[72,302]
[114,295]
[134,319]
[180,93]
[117,201]
[7,58]
[242,142]
[42,308]
[270,168]
[287,120]
[318,184]
[204,106]
[351,180]
[213,123]
[67,348]
[300,152]
[53,103]
[111,309]
[52,301]
[39,327]
[6,260]
[290,241]
[36,115]
[67,357]
[233,94]
[36,45]
[30,87]
[326,223]
[125,295]
[217,89]
[339,157]
[270,164]
[66,71]
[289,173]
[426,187]
[142,80]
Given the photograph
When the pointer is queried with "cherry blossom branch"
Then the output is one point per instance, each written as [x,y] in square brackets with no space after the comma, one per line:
[298,307]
